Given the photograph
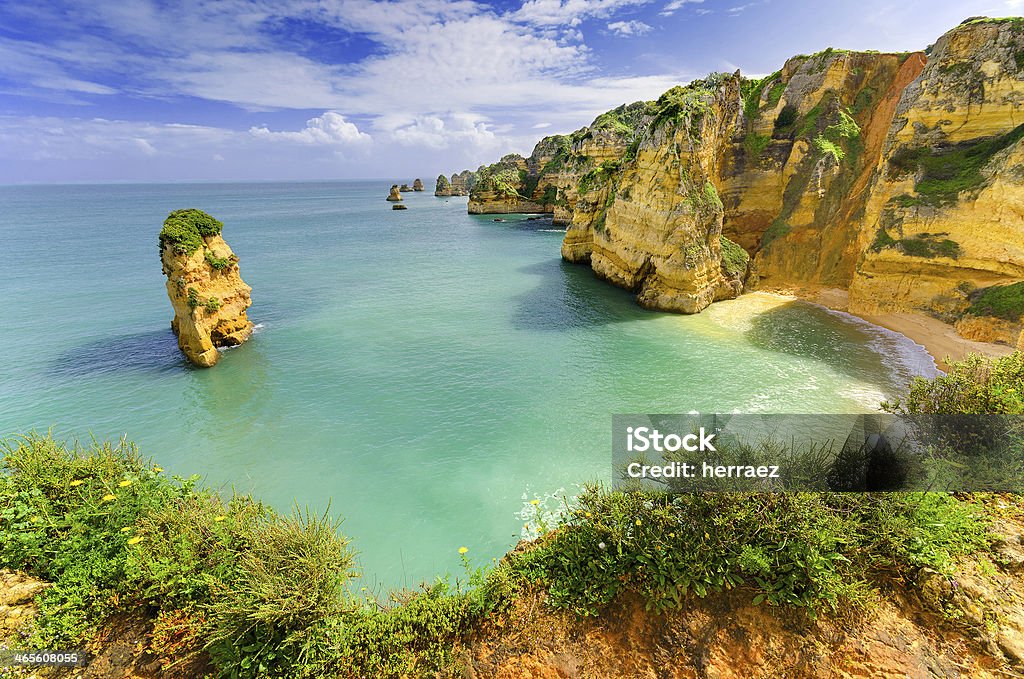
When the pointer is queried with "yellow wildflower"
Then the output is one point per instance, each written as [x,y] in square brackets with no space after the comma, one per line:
[108,497]
[671,535]
[589,515]
[534,502]
[158,469]
[76,482]
[463,550]
[135,540]
[219,518]
[125,483]
[638,522]
[126,529]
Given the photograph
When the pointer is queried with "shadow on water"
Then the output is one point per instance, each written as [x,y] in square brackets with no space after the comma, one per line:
[570,296]
[153,351]
[808,331]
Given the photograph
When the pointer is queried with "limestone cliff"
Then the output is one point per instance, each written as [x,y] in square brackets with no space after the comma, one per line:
[898,177]
[944,220]
[207,292]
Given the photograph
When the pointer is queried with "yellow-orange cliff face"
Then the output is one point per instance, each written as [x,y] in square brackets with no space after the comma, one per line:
[894,176]
[209,297]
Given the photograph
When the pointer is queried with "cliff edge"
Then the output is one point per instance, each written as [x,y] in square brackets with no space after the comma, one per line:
[207,292]
[894,177]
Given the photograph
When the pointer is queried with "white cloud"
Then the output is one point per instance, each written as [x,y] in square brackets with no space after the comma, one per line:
[629,28]
[540,126]
[674,6]
[435,132]
[569,12]
[331,128]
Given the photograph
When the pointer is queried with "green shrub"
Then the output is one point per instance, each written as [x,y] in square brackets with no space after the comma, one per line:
[287,583]
[184,230]
[829,148]
[1001,301]
[193,298]
[975,385]
[211,305]
[803,549]
[882,241]
[69,516]
[214,261]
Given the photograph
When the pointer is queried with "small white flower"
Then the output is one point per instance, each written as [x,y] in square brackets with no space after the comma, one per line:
[600,545]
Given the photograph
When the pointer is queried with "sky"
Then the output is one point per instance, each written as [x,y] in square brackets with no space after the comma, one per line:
[198,90]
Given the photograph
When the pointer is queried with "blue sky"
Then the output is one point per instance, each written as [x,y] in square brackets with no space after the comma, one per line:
[148,90]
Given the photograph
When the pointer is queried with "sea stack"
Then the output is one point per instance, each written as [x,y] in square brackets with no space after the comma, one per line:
[404,188]
[417,184]
[443,188]
[207,292]
[395,195]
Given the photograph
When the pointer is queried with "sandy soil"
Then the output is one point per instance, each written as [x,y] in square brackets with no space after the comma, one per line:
[939,339]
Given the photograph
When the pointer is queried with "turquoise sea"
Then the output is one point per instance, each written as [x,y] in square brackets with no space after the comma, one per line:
[418,370]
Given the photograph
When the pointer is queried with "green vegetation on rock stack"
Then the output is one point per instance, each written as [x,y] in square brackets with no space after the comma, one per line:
[185,230]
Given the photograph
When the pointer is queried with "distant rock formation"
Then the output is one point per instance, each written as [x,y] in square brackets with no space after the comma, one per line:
[417,185]
[405,188]
[207,292]
[443,188]
[463,182]
[399,206]
[395,194]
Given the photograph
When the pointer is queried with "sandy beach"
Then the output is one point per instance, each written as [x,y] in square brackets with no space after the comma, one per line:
[939,339]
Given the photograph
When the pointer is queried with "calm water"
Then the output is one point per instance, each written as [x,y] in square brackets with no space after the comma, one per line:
[420,370]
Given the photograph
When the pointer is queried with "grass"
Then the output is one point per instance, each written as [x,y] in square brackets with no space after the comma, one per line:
[1001,301]
[217,263]
[943,173]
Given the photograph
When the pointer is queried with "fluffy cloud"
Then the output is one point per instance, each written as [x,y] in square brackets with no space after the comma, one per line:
[330,129]
[674,6]
[569,12]
[435,132]
[629,28]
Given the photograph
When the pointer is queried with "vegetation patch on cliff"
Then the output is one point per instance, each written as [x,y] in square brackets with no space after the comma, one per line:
[943,173]
[734,258]
[1001,301]
[185,229]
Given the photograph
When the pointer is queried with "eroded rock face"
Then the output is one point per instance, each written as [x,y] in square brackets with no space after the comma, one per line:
[897,177]
[395,195]
[417,184]
[209,297]
[945,213]
[443,188]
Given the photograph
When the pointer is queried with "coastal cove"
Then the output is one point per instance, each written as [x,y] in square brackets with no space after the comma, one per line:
[421,371]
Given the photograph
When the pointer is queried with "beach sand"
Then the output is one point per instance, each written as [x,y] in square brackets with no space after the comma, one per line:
[939,339]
